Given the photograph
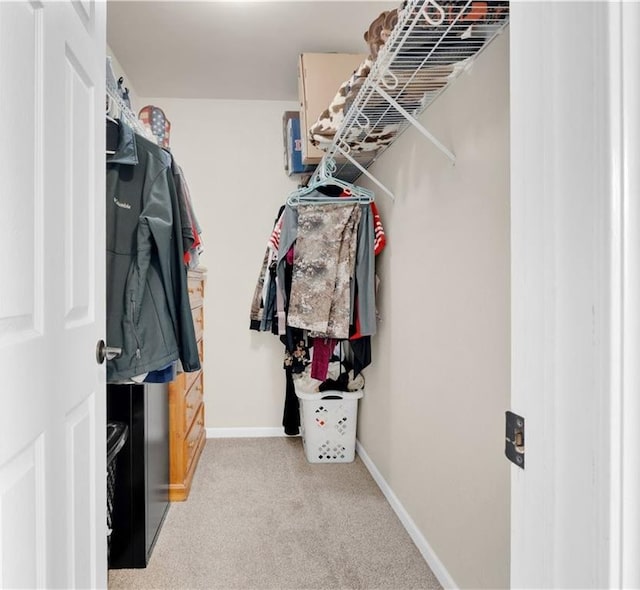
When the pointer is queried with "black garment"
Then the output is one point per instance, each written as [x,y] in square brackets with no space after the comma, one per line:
[270,305]
[339,384]
[291,412]
[361,354]
[291,335]
[331,190]
[291,415]
[113,135]
[297,356]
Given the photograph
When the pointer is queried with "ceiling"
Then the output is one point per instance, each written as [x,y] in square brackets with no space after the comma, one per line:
[233,49]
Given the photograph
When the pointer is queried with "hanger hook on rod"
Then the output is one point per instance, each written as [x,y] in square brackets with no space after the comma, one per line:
[330,166]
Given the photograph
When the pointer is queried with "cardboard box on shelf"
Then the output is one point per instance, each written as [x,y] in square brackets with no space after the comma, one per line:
[319,77]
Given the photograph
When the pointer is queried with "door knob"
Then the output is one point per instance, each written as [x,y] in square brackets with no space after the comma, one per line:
[106,352]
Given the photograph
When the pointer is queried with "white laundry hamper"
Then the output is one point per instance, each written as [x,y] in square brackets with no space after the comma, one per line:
[328,423]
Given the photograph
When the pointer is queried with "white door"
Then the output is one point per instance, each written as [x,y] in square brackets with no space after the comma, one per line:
[575,148]
[52,307]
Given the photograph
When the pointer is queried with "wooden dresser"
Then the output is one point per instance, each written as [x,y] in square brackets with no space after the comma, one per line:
[187,435]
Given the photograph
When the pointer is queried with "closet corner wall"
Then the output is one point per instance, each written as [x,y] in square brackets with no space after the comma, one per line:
[237,192]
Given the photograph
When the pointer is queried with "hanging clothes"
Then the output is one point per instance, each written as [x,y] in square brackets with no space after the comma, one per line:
[257,302]
[324,260]
[316,287]
[191,230]
[265,296]
[148,311]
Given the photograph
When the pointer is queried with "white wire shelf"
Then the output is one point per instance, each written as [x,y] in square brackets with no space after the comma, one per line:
[427,50]
[119,109]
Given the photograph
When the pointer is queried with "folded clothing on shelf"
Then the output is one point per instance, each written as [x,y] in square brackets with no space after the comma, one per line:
[330,120]
[419,69]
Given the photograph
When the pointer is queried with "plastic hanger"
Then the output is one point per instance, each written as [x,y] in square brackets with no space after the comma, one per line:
[324,177]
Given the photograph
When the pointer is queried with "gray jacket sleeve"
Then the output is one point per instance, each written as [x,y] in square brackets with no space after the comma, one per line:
[187,344]
[167,235]
[185,217]
[365,274]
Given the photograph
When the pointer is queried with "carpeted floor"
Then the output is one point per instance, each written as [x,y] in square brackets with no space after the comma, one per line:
[260,517]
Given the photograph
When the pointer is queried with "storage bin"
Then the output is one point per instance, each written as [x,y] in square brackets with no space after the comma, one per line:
[328,425]
[294,149]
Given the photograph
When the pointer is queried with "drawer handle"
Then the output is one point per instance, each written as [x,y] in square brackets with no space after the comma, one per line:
[189,406]
[191,444]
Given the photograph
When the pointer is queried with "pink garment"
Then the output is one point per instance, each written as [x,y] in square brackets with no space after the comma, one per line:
[322,349]
[289,257]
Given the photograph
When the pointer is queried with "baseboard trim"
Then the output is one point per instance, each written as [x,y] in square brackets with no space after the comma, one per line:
[437,567]
[258,432]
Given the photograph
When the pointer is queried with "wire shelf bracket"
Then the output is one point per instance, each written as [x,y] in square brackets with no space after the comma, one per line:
[363,170]
[394,103]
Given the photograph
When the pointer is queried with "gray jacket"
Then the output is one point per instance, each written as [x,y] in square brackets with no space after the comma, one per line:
[148,311]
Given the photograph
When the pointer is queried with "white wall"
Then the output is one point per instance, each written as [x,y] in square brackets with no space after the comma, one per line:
[432,419]
[231,154]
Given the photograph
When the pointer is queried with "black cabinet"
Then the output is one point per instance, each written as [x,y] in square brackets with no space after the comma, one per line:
[141,497]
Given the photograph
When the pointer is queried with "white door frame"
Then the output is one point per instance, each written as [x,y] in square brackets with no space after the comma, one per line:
[625,471]
[575,148]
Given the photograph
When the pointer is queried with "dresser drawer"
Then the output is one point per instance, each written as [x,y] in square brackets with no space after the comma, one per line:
[193,438]
[198,321]
[183,382]
[196,291]
[192,401]
[201,350]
